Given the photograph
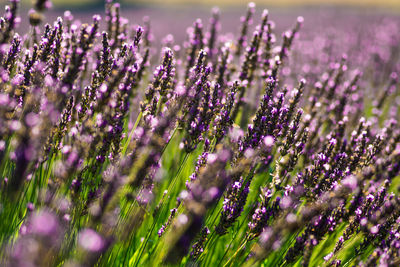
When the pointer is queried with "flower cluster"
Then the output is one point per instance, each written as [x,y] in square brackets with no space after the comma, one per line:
[254,149]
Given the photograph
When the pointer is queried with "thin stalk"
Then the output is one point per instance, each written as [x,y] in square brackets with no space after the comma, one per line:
[127,142]
[236,253]
[150,232]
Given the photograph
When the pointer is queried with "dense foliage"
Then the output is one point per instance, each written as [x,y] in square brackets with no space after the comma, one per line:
[227,150]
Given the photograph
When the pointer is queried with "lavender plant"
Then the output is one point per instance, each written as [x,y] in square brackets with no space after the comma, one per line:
[228,150]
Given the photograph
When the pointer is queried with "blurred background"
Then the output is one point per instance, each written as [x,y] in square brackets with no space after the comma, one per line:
[349,3]
[175,16]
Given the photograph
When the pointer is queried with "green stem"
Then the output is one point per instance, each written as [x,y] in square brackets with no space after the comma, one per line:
[236,253]
[161,204]
[127,142]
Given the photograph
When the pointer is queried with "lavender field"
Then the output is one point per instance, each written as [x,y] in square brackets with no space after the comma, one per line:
[197,137]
